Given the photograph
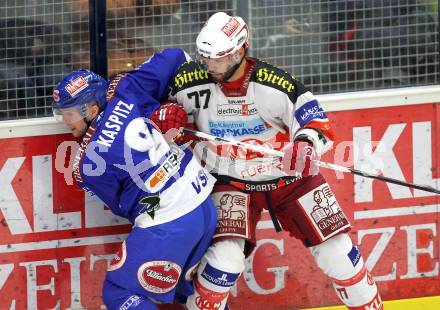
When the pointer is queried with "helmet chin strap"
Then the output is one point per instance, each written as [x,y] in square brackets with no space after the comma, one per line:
[88,123]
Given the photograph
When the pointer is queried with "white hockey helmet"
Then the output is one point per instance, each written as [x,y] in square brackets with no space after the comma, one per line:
[222,35]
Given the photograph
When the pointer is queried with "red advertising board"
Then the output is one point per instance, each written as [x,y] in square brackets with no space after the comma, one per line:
[56,241]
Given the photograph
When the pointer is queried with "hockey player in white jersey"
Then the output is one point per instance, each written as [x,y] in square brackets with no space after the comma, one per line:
[228,94]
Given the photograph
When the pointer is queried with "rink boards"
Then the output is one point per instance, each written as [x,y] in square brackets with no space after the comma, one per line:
[56,241]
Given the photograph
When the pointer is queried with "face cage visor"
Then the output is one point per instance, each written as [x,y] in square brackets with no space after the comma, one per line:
[72,114]
[230,62]
[205,61]
[74,109]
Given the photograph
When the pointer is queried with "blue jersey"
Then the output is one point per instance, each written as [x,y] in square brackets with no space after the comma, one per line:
[125,160]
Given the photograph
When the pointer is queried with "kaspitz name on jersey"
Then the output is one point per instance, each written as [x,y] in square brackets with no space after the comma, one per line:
[114,123]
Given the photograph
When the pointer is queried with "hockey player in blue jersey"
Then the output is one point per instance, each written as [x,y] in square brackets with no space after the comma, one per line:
[159,187]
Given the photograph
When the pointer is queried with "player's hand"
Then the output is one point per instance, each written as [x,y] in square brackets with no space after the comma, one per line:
[169,117]
[299,159]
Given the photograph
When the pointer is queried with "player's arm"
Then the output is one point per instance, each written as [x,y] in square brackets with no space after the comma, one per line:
[307,121]
[189,81]
[148,84]
[310,131]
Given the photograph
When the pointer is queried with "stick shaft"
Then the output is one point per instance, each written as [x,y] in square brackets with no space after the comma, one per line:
[425,188]
[323,164]
[248,146]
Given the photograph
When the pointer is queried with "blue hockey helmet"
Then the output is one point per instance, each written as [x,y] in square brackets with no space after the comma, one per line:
[78,89]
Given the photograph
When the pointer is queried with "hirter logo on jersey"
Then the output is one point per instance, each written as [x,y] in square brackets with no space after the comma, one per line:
[230,26]
[159,276]
[76,86]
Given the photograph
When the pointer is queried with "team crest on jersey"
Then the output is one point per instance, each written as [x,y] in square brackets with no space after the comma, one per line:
[150,205]
[119,259]
[159,276]
[325,213]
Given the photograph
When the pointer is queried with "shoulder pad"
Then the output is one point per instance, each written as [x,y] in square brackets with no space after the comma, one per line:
[188,75]
[274,77]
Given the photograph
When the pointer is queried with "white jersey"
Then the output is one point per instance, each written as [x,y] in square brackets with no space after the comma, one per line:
[268,108]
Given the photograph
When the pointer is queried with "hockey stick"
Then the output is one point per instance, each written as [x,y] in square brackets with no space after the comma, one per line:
[248,146]
[317,162]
